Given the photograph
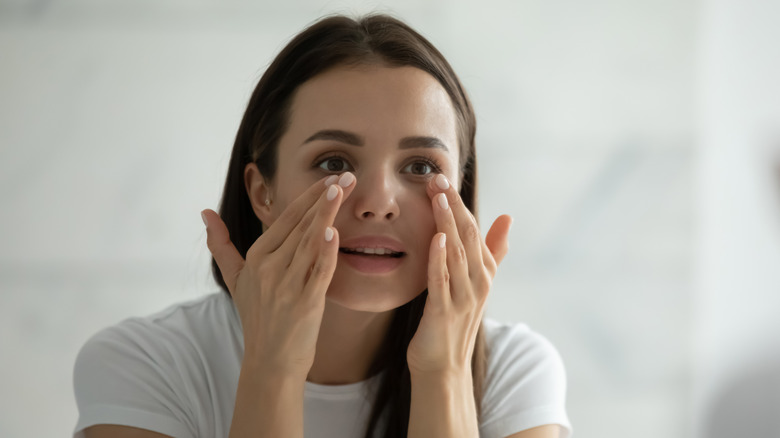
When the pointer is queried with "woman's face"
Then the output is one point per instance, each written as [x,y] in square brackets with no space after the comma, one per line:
[393,128]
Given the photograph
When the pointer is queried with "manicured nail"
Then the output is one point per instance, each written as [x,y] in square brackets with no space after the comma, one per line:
[331,179]
[332,192]
[203,216]
[443,201]
[442,240]
[328,234]
[441,182]
[346,179]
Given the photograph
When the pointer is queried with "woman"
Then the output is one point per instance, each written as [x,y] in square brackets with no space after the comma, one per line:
[353,266]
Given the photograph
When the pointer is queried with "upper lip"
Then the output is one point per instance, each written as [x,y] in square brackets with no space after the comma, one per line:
[372,242]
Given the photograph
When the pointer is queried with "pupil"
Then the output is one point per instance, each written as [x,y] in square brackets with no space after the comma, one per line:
[419,168]
[334,165]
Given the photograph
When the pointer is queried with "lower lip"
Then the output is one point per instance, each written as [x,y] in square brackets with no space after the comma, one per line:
[371,264]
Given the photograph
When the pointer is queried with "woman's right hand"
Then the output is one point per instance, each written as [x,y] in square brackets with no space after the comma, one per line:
[279,290]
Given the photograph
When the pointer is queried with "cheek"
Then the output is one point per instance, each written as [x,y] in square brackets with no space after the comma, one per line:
[424,221]
[284,194]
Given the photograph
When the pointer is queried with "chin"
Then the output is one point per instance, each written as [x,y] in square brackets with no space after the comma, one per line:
[375,299]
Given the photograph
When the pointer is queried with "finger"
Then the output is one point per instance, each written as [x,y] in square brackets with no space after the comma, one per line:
[222,249]
[467,228]
[457,256]
[313,239]
[490,262]
[277,233]
[438,275]
[324,266]
[286,252]
[497,238]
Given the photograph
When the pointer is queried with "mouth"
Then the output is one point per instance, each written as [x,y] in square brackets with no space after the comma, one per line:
[371,261]
[373,252]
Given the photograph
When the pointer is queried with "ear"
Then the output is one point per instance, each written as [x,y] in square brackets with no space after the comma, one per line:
[258,191]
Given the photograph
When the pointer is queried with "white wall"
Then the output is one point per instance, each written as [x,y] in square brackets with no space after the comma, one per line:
[737,296]
[116,123]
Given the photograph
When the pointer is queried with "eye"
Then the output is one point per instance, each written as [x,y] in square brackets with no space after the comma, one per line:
[422,166]
[334,164]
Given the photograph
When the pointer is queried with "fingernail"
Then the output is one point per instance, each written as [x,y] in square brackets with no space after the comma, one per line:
[328,234]
[203,216]
[443,201]
[346,179]
[332,192]
[331,179]
[441,182]
[442,240]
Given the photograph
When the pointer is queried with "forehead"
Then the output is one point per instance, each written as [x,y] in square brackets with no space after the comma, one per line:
[375,101]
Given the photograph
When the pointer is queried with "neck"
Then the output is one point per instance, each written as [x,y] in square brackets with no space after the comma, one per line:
[347,344]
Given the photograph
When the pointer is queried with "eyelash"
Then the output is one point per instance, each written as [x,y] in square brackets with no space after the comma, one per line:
[425,159]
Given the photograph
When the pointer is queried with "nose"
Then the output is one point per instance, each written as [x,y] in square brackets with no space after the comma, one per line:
[375,197]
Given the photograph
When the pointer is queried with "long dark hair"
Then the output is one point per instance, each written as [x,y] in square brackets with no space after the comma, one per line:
[330,42]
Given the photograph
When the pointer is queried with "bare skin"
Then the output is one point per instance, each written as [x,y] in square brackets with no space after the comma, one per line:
[297,297]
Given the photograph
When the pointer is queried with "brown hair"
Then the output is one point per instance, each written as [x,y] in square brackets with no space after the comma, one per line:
[330,42]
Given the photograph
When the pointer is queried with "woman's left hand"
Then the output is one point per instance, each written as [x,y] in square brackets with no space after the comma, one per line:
[461,267]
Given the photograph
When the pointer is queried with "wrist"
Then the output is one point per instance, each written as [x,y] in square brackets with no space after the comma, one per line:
[452,372]
[450,378]
[258,368]
[443,404]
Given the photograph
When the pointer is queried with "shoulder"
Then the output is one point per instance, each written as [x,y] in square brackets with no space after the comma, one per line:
[525,385]
[139,372]
[177,329]
[516,345]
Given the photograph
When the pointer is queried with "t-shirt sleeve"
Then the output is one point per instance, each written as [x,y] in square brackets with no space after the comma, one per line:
[525,386]
[120,378]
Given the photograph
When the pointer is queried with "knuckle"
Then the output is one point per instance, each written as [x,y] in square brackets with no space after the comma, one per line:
[468,301]
[471,231]
[306,240]
[267,270]
[251,253]
[305,222]
[483,286]
[440,278]
[264,270]
[459,255]
[320,271]
[492,267]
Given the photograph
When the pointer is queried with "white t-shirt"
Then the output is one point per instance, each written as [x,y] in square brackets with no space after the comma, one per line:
[176,373]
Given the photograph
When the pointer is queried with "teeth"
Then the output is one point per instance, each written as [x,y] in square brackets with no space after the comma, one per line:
[377,251]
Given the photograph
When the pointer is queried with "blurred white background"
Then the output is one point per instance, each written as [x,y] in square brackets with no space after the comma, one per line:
[636,144]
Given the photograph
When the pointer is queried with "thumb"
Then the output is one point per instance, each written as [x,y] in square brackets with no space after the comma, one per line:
[222,249]
[497,238]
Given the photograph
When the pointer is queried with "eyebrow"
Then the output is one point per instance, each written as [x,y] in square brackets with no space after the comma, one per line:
[419,141]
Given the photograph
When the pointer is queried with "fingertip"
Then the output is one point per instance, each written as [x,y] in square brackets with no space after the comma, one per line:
[333,191]
[508,218]
[330,180]
[442,183]
[431,186]
[346,179]
[509,221]
[205,220]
